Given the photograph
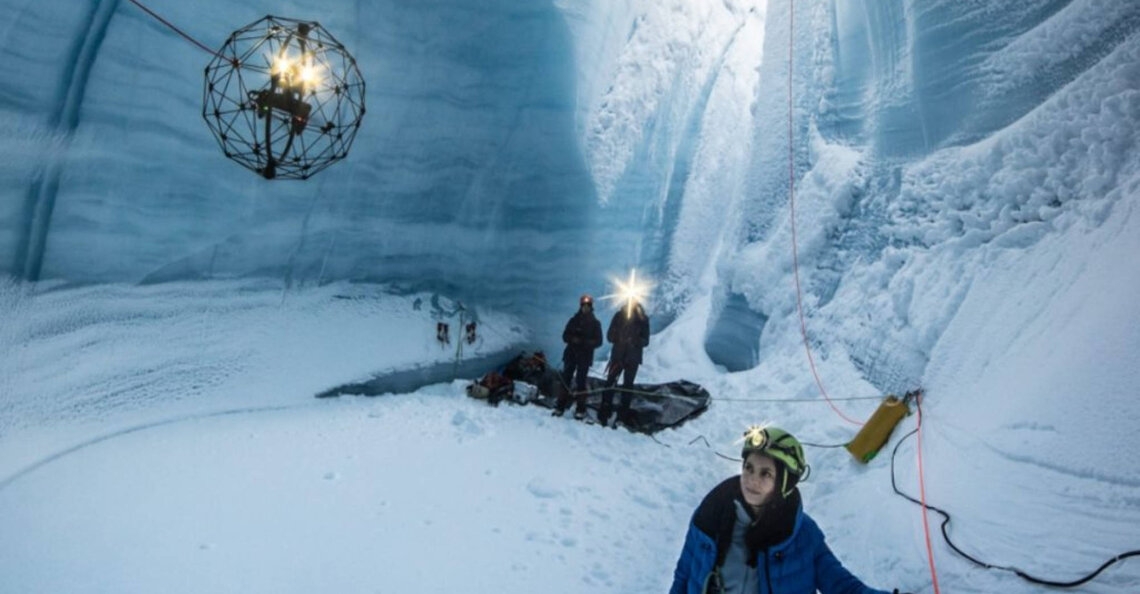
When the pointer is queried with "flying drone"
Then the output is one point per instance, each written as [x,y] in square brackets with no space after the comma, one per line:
[283,98]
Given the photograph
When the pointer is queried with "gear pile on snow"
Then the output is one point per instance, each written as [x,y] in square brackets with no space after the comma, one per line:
[493,387]
[528,379]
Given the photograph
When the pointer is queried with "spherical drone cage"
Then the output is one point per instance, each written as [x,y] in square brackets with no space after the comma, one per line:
[283,98]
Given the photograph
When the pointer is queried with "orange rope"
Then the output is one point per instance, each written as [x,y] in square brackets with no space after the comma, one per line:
[792,202]
[922,495]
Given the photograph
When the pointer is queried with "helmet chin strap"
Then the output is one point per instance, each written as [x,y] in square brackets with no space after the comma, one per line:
[784,490]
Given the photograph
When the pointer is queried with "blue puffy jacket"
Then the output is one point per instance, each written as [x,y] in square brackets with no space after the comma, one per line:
[802,564]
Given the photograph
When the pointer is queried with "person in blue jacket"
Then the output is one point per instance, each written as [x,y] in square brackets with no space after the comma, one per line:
[750,534]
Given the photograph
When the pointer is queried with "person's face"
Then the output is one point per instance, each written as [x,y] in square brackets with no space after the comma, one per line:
[758,479]
[587,306]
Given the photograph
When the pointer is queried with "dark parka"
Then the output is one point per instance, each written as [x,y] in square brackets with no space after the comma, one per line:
[582,335]
[629,335]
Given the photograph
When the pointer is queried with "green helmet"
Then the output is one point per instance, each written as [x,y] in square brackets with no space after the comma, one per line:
[782,447]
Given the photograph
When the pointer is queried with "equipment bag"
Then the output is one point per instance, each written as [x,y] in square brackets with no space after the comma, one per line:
[878,429]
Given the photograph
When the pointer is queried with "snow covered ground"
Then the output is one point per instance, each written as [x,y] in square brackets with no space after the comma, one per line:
[967,183]
[166,439]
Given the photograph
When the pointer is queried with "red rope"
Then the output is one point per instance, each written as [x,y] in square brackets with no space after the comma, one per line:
[922,495]
[792,202]
[172,27]
[800,307]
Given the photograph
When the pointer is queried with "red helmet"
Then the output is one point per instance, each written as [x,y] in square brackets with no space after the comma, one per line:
[586,300]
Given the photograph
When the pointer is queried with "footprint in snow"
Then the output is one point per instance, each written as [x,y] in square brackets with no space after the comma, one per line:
[543,489]
[463,423]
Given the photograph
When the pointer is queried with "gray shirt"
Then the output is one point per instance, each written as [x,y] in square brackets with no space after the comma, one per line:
[738,576]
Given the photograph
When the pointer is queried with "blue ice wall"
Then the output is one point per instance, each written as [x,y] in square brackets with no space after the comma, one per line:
[733,339]
[466,176]
[922,131]
[517,153]
[913,77]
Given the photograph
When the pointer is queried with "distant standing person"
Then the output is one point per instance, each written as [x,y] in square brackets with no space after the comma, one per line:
[582,335]
[629,333]
[750,534]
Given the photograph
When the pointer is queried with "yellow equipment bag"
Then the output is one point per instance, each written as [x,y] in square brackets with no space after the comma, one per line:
[878,429]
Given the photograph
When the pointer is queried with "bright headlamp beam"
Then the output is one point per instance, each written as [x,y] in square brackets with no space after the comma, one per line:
[756,436]
[630,291]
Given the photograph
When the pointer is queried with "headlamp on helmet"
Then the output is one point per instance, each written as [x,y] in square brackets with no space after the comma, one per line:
[782,447]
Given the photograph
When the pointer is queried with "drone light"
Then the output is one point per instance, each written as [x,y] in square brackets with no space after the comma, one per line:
[308,73]
[310,76]
[282,66]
